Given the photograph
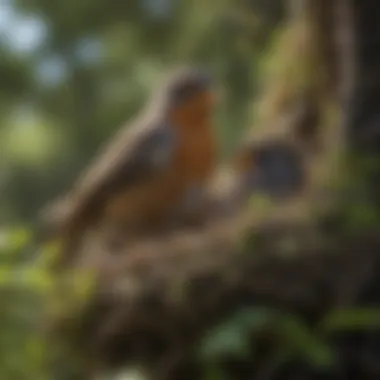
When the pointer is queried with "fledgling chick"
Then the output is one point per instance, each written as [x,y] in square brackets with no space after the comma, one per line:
[271,168]
[150,167]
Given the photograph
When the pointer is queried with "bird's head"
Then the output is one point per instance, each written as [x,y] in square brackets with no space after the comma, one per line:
[190,96]
[272,168]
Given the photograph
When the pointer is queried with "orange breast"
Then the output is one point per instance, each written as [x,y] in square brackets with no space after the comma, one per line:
[196,156]
[151,202]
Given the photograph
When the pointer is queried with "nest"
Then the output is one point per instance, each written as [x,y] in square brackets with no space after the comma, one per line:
[157,300]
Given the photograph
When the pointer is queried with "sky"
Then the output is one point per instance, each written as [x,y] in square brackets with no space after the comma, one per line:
[22,34]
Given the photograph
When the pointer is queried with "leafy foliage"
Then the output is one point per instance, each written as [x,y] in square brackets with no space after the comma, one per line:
[28,299]
[290,337]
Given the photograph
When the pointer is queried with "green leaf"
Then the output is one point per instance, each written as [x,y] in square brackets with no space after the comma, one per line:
[229,340]
[234,336]
[350,319]
[302,342]
[15,239]
[39,280]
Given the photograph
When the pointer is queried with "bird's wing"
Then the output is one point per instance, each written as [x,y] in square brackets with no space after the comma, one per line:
[130,158]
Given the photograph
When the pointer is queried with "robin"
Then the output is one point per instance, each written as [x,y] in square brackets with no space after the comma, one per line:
[151,168]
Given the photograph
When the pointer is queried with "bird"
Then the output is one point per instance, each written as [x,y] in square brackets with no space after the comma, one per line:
[154,165]
[273,168]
